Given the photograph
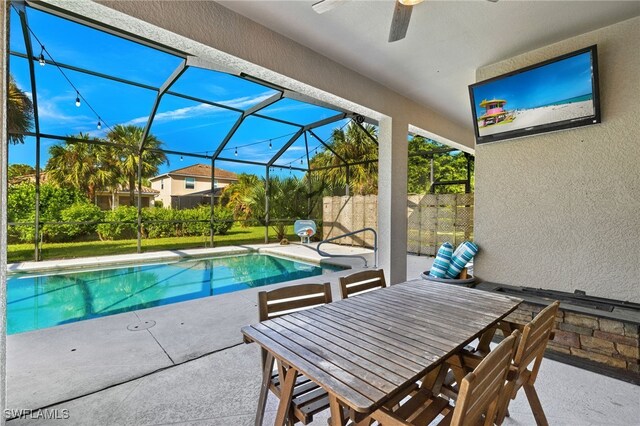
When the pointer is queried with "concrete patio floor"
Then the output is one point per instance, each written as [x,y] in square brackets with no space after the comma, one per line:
[191,367]
[222,389]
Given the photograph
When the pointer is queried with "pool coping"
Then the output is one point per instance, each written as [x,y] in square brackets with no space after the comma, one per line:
[174,255]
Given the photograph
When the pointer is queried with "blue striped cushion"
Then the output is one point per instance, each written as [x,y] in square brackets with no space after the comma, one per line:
[442,261]
[463,254]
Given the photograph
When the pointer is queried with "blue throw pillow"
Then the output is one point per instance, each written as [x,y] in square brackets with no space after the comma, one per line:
[463,254]
[442,262]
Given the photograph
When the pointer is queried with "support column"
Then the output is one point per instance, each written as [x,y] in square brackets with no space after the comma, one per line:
[212,200]
[4,151]
[139,201]
[266,206]
[392,198]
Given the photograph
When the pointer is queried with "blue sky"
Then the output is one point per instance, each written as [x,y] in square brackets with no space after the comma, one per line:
[554,82]
[181,124]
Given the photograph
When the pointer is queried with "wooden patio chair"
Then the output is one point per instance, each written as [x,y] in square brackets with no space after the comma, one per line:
[477,401]
[361,282]
[535,336]
[308,398]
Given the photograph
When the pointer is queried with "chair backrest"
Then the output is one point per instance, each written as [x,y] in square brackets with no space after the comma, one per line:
[284,300]
[480,389]
[361,282]
[535,337]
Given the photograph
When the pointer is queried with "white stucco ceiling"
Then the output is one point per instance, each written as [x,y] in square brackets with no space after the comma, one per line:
[446,41]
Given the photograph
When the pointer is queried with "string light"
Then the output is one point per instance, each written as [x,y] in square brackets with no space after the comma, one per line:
[270,145]
[181,158]
[236,153]
[42,61]
[41,57]
[99,126]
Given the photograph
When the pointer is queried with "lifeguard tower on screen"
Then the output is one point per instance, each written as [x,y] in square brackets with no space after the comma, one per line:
[494,113]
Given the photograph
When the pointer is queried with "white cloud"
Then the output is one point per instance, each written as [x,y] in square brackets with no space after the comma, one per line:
[202,109]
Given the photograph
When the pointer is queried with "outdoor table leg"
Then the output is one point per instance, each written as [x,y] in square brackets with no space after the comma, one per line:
[286,393]
[337,415]
[264,388]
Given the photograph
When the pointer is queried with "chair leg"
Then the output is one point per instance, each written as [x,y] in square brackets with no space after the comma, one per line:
[264,389]
[503,402]
[536,406]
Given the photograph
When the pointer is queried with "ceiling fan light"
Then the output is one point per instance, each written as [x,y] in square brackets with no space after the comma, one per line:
[410,2]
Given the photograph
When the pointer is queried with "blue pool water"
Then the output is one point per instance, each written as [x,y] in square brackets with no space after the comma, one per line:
[46,300]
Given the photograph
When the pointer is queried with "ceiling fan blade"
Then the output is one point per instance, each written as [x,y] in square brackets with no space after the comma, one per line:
[326,5]
[400,22]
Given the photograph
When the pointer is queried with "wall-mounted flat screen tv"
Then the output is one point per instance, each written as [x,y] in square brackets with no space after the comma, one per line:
[553,95]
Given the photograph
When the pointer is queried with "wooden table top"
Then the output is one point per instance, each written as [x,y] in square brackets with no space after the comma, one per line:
[367,348]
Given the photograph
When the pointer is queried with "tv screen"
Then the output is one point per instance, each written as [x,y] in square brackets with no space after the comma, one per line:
[556,94]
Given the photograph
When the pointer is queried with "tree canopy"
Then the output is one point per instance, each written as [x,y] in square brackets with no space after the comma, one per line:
[19,112]
[93,167]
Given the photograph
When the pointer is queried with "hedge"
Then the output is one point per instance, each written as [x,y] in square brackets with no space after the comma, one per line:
[160,223]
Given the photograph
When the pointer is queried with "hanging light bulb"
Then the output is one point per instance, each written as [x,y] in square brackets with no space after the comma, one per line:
[270,145]
[77,99]
[236,153]
[99,126]
[41,58]
[181,158]
[301,161]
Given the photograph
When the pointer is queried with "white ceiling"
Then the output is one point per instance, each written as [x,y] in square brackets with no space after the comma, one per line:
[446,41]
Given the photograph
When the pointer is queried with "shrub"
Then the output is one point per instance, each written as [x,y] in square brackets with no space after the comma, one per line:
[125,224]
[53,200]
[202,213]
[78,212]
[158,229]
[223,220]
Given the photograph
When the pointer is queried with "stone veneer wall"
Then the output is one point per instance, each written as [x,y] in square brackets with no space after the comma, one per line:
[609,342]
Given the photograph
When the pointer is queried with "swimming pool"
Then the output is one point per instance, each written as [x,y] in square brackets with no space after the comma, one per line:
[45,300]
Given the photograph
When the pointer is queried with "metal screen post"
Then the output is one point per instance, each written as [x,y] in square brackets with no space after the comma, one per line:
[432,188]
[266,207]
[348,181]
[139,201]
[212,201]
[467,185]
[36,120]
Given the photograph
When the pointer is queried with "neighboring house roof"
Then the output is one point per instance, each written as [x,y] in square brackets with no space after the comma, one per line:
[31,177]
[199,170]
[206,193]
[124,190]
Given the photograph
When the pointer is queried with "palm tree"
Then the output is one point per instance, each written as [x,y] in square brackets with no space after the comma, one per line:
[238,196]
[86,166]
[353,145]
[131,136]
[287,200]
[19,112]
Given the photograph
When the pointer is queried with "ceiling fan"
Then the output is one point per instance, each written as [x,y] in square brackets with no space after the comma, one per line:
[399,22]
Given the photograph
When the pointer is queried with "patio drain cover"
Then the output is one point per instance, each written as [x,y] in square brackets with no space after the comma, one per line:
[142,325]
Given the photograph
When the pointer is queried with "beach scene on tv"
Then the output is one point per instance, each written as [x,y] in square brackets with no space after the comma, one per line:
[558,91]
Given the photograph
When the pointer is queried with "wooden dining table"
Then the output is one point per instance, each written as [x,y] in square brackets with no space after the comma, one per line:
[369,348]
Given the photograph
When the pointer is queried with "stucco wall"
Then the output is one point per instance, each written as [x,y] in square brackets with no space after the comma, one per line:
[562,210]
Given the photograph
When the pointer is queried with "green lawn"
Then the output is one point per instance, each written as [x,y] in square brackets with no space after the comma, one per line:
[236,235]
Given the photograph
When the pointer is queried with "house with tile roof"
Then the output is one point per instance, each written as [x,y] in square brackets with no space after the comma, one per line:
[190,186]
[105,199]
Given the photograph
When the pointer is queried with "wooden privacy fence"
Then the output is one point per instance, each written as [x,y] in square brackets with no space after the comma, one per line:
[432,220]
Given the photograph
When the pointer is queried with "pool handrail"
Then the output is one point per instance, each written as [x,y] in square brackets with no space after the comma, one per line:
[348,234]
